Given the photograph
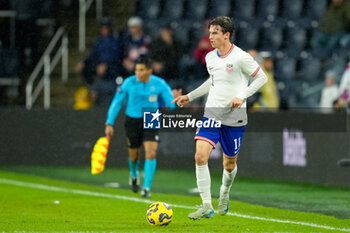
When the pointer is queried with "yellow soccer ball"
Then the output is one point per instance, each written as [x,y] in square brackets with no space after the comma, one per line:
[159,214]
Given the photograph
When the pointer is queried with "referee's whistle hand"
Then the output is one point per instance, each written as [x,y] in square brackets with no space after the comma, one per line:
[236,103]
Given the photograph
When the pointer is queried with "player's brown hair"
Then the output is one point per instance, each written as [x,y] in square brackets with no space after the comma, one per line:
[226,23]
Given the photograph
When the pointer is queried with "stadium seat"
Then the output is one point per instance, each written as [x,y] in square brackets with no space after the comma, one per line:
[292,9]
[336,64]
[247,36]
[271,38]
[173,9]
[295,40]
[220,7]
[186,64]
[310,68]
[8,63]
[197,9]
[267,9]
[244,9]
[47,9]
[195,33]
[291,92]
[152,27]
[149,9]
[181,32]
[285,68]
[316,8]
[311,101]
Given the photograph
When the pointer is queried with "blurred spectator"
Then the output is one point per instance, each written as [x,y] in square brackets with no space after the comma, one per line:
[135,43]
[165,52]
[329,93]
[344,88]
[269,93]
[333,26]
[255,54]
[100,67]
[202,49]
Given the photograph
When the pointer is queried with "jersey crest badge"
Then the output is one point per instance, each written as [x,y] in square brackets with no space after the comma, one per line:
[229,68]
[152,98]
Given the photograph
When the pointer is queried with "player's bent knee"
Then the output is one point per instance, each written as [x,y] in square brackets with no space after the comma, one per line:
[230,163]
[133,157]
[230,168]
[133,160]
[151,156]
[200,159]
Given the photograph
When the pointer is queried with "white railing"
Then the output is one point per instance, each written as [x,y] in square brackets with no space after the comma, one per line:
[84,6]
[47,65]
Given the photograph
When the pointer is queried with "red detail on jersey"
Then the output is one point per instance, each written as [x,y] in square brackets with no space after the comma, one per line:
[206,140]
[255,72]
[223,56]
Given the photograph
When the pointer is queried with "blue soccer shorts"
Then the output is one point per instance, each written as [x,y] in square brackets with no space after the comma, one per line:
[229,137]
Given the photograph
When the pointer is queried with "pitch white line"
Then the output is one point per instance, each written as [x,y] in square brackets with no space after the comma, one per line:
[135,199]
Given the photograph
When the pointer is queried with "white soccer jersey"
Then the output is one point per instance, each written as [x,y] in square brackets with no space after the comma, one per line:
[229,76]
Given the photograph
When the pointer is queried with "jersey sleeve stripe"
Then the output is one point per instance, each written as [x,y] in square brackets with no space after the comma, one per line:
[206,140]
[255,72]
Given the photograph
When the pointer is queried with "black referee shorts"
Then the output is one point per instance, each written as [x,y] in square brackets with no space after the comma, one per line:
[135,134]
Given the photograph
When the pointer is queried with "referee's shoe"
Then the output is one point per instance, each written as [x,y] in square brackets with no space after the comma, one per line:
[134,184]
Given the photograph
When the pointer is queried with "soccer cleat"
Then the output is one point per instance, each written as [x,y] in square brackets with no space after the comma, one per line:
[146,193]
[134,184]
[206,211]
[224,203]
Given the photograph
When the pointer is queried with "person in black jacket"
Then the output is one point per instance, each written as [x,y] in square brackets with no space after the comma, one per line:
[166,52]
[103,57]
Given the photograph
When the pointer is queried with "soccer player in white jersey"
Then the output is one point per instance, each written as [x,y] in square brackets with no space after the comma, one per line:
[229,69]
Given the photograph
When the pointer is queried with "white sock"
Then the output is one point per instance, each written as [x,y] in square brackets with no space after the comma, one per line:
[203,183]
[227,180]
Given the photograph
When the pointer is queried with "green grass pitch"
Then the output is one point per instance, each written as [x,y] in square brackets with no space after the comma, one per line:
[36,204]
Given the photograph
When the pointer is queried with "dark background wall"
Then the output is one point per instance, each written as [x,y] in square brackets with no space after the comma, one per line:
[65,137]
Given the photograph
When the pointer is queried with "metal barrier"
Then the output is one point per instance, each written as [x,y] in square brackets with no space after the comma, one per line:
[84,6]
[291,152]
[47,65]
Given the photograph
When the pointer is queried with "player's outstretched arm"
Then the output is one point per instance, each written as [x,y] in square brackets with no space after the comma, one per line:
[181,100]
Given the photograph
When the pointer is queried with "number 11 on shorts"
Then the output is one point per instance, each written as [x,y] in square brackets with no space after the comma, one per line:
[237,143]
